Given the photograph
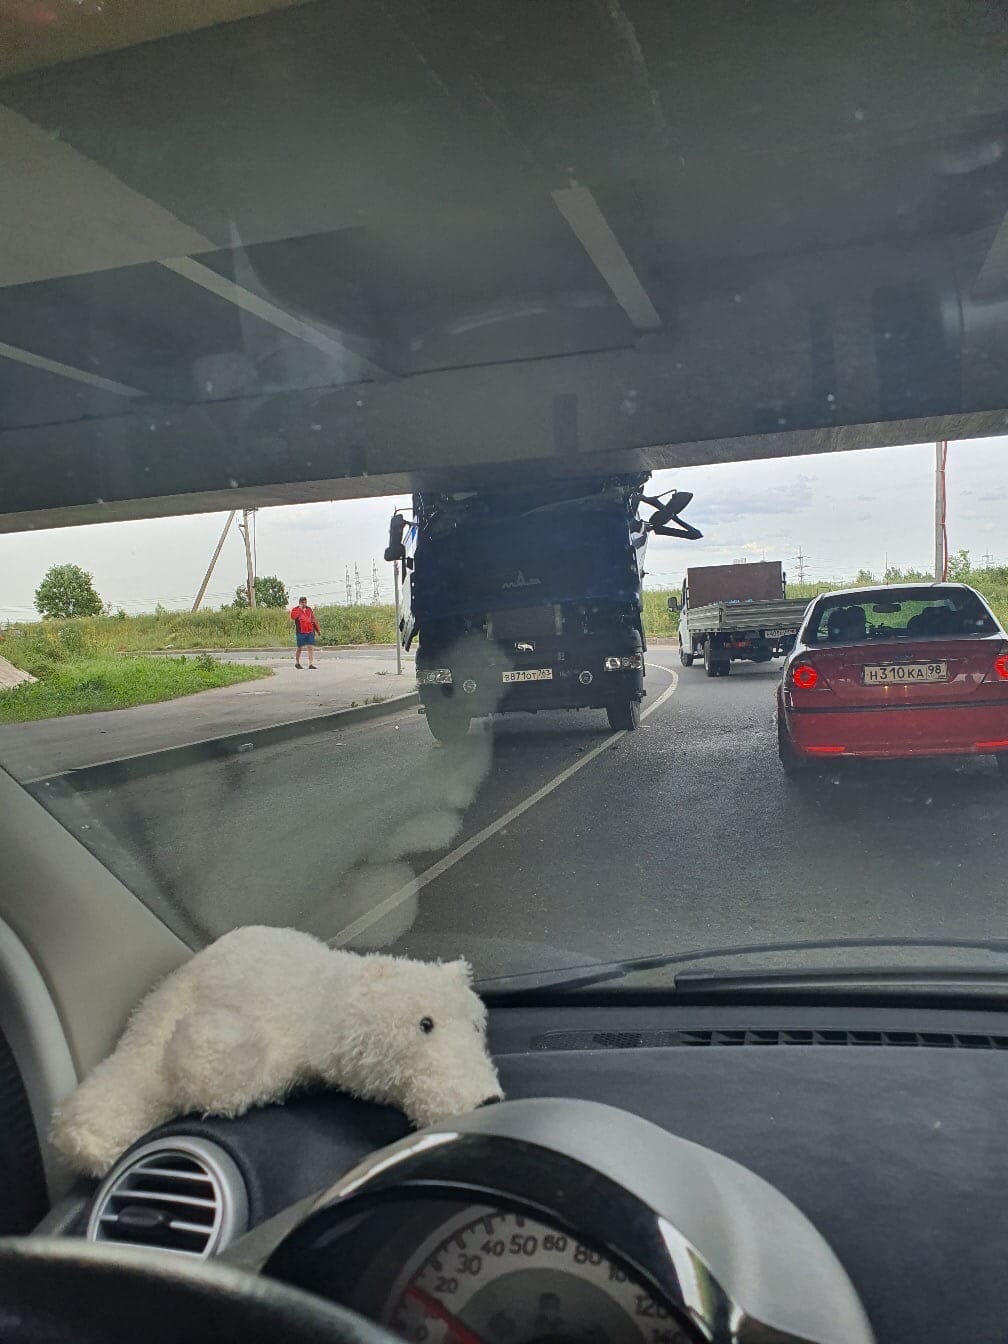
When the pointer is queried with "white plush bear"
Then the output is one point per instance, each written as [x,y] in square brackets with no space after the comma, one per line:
[263,1010]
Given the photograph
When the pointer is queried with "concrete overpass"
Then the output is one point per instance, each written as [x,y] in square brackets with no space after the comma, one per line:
[262,252]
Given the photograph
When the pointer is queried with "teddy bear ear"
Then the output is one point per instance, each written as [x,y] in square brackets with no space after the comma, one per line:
[462,970]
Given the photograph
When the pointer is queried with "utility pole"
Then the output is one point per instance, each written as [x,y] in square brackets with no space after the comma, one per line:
[398,633]
[356,584]
[375,593]
[349,594]
[243,528]
[213,561]
[940,533]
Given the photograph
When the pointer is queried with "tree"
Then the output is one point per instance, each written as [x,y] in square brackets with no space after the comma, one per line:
[959,569]
[67,590]
[269,592]
[909,575]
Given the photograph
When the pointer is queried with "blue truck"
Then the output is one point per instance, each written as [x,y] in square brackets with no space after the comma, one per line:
[529,598]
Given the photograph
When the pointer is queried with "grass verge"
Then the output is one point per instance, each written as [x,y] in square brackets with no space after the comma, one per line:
[42,643]
[82,685]
[264,628]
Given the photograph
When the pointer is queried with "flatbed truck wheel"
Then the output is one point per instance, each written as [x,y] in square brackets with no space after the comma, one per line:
[685,658]
[714,667]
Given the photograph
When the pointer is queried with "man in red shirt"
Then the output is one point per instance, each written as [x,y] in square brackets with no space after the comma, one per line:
[305,630]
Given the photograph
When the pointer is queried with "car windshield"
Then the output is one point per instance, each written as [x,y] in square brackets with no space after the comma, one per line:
[898,613]
[440,445]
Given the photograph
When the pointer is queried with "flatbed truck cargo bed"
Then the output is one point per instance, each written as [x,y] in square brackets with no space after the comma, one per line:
[774,615]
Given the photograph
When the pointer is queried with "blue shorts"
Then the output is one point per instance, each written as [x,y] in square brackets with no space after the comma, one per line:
[302,640]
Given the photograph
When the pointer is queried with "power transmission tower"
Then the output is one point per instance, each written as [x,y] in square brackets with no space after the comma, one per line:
[243,528]
[802,562]
[356,584]
[988,560]
[375,593]
[349,593]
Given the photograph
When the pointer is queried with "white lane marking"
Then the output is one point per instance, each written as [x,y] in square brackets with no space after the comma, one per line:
[68,371]
[411,889]
[329,343]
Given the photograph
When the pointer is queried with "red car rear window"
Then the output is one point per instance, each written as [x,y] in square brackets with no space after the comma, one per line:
[904,613]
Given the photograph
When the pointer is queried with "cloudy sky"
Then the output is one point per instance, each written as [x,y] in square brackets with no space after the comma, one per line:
[842,511]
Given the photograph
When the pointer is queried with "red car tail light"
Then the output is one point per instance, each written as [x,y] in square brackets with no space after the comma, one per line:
[805,677]
[1001,666]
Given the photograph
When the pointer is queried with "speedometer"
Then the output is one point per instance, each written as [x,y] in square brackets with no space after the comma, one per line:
[494,1277]
[555,1221]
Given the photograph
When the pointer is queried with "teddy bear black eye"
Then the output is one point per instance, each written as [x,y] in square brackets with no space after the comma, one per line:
[427,1025]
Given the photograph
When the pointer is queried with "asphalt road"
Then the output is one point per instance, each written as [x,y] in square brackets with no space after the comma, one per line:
[684,834]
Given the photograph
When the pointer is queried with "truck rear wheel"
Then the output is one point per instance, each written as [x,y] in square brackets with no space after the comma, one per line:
[446,722]
[624,716]
[714,667]
[685,658]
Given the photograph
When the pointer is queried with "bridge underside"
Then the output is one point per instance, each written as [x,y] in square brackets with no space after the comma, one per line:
[348,247]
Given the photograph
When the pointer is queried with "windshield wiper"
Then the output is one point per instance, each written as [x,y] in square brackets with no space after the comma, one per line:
[571,979]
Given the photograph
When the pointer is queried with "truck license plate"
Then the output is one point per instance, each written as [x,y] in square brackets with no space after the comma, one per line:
[900,674]
[528,674]
[778,634]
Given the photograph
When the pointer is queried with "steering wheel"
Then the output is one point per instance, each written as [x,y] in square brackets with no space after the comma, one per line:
[54,1291]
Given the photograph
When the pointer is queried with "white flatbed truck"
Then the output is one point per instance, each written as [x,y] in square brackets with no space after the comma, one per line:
[736,612]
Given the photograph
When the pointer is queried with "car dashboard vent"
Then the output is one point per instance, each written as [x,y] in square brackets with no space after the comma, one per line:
[177,1194]
[658,1040]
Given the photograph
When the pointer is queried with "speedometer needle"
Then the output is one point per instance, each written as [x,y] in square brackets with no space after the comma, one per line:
[437,1311]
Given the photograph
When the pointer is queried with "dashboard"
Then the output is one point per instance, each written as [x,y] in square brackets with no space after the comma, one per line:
[563,1219]
[652,1163]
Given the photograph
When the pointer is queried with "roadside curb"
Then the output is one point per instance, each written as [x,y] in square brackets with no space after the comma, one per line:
[150,763]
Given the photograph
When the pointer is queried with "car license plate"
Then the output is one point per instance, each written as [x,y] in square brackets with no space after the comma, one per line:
[901,674]
[528,674]
[778,634]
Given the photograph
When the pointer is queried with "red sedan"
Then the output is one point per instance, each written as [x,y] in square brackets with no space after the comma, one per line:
[895,671]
